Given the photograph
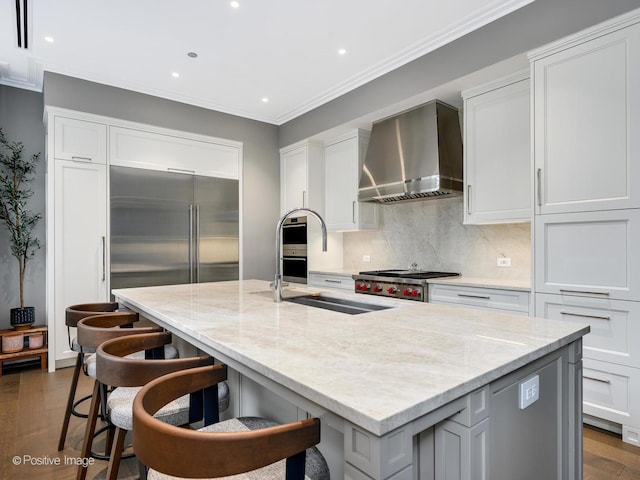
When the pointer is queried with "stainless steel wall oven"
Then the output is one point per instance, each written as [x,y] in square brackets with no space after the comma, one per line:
[294,250]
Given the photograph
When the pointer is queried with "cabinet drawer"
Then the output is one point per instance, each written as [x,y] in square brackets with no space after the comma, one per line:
[592,253]
[615,325]
[493,298]
[327,280]
[80,141]
[611,391]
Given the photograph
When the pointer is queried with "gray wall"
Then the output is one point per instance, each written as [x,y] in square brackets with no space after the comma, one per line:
[530,27]
[261,162]
[21,121]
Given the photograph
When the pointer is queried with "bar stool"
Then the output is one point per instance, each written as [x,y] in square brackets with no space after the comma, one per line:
[115,367]
[73,315]
[263,448]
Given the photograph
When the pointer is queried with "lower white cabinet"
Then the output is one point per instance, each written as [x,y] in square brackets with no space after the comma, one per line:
[589,253]
[332,280]
[77,251]
[513,301]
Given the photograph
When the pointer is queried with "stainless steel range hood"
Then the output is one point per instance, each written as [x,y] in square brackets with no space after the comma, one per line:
[414,155]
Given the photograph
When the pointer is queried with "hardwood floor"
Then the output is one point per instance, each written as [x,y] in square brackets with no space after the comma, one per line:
[32,405]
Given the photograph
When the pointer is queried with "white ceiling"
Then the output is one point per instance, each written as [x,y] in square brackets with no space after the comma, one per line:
[284,50]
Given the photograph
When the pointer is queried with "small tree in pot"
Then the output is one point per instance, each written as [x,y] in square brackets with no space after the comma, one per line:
[16,173]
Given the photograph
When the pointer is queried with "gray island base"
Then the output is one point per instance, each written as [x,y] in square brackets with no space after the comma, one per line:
[416,391]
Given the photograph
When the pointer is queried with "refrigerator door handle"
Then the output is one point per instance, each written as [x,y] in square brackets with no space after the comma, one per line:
[197,244]
[190,243]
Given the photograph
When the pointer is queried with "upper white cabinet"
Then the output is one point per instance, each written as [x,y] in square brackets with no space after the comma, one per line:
[192,154]
[80,140]
[302,176]
[586,121]
[343,158]
[497,167]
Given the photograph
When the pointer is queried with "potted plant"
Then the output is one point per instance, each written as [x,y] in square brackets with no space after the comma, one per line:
[16,173]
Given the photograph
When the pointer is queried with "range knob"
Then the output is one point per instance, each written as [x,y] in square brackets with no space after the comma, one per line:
[377,288]
[392,290]
[363,287]
[358,286]
[415,293]
[406,292]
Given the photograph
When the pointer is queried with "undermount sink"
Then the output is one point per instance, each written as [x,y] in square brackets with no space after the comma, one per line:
[341,305]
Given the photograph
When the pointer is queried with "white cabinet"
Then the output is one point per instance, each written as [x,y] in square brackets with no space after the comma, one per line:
[343,281]
[586,119]
[343,158]
[586,231]
[191,154]
[497,167]
[77,242]
[302,176]
[589,253]
[80,140]
[513,301]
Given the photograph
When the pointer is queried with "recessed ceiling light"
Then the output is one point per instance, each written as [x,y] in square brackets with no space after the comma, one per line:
[192,55]
[342,51]
[48,39]
[265,99]
[175,74]
[235,4]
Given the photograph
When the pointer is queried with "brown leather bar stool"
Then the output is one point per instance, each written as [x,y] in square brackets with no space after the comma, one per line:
[73,315]
[115,368]
[261,447]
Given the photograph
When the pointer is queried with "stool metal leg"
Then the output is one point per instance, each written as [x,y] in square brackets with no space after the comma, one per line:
[70,400]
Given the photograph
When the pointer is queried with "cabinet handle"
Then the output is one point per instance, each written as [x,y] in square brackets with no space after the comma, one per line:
[180,170]
[468,199]
[191,253]
[81,159]
[598,317]
[353,211]
[304,195]
[332,281]
[584,292]
[104,258]
[539,190]
[608,382]
[467,295]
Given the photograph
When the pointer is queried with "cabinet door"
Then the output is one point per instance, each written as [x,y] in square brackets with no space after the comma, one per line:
[589,253]
[80,229]
[302,177]
[514,301]
[80,140]
[587,115]
[497,155]
[615,324]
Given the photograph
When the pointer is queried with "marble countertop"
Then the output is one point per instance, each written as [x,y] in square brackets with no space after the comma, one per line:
[378,370]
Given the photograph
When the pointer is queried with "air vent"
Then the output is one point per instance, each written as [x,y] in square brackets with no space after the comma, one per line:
[414,196]
[22,23]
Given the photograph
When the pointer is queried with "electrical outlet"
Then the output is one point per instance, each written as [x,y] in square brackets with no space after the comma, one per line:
[529,391]
[504,262]
[366,258]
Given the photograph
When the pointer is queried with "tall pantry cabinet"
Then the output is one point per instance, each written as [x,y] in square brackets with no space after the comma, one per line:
[76,220]
[586,232]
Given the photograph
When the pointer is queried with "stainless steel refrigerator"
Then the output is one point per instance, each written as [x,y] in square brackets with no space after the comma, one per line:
[171,228]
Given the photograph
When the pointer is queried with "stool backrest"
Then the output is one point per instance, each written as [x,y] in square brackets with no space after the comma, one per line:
[97,329]
[194,454]
[112,368]
[75,313]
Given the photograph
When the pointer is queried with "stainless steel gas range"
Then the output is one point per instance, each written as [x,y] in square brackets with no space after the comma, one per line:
[405,284]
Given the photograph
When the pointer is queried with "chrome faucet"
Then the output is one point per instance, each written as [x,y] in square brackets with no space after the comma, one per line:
[277,283]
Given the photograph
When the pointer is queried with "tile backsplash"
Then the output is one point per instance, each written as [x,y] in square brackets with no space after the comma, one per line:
[431,234]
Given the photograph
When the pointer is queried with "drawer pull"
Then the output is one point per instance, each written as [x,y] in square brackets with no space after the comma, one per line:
[180,170]
[598,317]
[81,159]
[608,382]
[468,295]
[584,292]
[332,281]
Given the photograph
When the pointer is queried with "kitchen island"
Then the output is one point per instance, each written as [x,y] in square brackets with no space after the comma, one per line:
[415,389]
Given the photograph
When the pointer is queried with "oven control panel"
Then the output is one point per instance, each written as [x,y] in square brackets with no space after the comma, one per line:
[391,289]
